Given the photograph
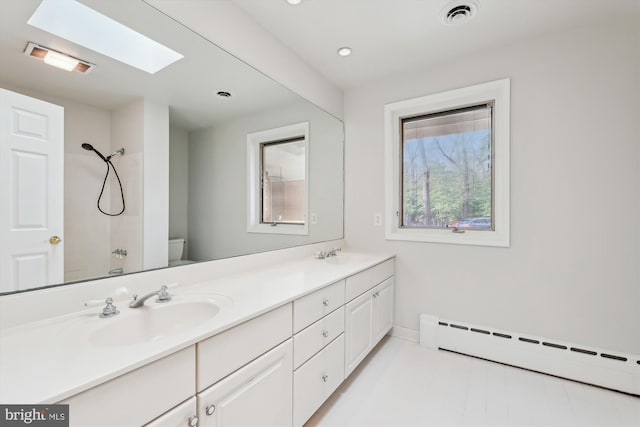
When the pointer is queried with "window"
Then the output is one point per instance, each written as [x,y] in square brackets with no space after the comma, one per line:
[278,184]
[447,170]
[282,172]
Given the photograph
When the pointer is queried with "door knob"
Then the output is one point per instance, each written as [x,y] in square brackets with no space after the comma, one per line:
[54,240]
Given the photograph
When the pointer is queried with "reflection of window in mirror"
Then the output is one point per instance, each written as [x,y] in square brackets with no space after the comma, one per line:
[283,175]
[278,181]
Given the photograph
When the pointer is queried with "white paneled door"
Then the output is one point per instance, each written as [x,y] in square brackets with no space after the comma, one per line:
[31,190]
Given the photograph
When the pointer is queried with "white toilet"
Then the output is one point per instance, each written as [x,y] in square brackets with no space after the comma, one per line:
[176,246]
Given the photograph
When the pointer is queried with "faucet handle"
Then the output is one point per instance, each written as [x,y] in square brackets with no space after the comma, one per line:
[163,295]
[109,310]
[117,293]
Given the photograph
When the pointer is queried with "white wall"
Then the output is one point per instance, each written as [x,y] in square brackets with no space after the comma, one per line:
[178,184]
[156,186]
[572,271]
[218,183]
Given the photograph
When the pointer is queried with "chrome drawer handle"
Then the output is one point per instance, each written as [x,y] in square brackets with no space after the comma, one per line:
[193,421]
[325,302]
[325,334]
[325,378]
[210,409]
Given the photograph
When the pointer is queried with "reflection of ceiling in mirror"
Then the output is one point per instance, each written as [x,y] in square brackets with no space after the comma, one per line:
[189,86]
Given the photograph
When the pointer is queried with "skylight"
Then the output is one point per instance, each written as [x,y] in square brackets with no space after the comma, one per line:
[84,26]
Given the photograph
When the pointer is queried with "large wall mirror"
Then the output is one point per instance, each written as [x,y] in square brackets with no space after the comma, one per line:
[177,139]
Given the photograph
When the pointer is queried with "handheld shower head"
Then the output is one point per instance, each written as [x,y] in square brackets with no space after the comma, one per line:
[89,147]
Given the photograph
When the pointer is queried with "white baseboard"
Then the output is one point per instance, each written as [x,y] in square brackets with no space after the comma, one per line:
[405,334]
[610,369]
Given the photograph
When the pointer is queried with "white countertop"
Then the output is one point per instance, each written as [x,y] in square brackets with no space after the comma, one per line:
[50,360]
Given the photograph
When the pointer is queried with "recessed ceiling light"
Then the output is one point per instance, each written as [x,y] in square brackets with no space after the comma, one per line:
[57,59]
[294,2]
[459,12]
[84,26]
[344,51]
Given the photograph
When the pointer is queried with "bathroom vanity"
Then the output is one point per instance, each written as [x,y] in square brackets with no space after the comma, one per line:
[261,347]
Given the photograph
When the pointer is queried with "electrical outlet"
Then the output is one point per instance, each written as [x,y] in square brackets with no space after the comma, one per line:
[377,219]
[314,218]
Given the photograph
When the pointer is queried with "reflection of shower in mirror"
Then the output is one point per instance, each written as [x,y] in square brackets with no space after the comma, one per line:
[110,165]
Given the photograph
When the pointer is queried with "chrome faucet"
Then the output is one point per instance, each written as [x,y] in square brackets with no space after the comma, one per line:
[333,252]
[163,296]
[327,254]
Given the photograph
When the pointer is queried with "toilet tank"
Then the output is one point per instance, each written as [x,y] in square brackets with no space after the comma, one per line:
[176,246]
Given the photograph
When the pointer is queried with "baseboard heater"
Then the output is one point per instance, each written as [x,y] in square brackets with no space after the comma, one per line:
[610,369]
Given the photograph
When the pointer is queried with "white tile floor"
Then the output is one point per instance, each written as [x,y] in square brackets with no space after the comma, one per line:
[403,384]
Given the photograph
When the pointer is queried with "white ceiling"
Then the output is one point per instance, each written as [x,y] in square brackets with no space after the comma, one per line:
[391,36]
[187,86]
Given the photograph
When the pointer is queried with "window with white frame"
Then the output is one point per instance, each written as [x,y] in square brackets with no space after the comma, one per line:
[278,181]
[447,166]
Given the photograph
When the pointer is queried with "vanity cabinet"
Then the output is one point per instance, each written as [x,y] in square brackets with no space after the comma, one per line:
[316,305]
[225,352]
[369,316]
[139,396]
[183,415]
[259,394]
[276,369]
[318,349]
[314,381]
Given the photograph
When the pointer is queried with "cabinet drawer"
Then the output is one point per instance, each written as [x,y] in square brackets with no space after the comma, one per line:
[222,354]
[259,394]
[137,397]
[365,280]
[309,341]
[183,415]
[312,307]
[314,381]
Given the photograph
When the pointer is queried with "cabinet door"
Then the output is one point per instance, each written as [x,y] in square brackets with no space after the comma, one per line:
[382,309]
[183,415]
[259,394]
[358,330]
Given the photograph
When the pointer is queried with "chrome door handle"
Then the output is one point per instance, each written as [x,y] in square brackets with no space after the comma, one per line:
[325,333]
[325,378]
[210,409]
[325,302]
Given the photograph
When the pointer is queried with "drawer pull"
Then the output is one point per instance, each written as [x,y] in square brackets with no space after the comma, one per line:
[325,378]
[210,409]
[376,294]
[325,302]
[325,333]
[193,421]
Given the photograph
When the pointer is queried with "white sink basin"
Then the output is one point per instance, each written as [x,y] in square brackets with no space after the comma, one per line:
[153,321]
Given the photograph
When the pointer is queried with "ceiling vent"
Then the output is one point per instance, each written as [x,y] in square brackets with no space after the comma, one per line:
[459,12]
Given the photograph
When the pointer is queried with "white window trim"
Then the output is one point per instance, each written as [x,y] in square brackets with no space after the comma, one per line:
[254,140]
[499,92]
